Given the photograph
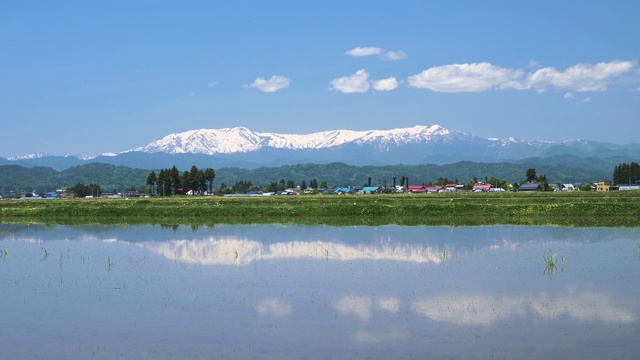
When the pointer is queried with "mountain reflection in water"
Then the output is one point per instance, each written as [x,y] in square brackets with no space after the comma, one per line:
[234,251]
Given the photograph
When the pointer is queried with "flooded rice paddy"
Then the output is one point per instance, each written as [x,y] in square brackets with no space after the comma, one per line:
[318,292]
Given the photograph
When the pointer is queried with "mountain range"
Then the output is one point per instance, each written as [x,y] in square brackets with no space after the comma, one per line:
[243,148]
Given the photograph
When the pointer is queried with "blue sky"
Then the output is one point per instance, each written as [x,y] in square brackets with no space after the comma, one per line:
[106,76]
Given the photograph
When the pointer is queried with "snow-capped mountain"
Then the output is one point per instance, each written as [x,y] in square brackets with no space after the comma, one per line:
[80,156]
[243,140]
[243,148]
[33,156]
[28,156]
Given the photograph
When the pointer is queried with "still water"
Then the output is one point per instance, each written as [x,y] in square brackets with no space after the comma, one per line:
[318,292]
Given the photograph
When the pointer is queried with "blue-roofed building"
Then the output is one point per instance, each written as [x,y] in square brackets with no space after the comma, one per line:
[368,190]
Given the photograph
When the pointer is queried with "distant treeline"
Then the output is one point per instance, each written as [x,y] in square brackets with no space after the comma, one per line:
[118,178]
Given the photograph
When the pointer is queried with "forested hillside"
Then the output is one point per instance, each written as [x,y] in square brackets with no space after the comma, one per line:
[43,179]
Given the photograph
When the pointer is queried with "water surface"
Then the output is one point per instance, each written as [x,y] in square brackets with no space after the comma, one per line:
[318,292]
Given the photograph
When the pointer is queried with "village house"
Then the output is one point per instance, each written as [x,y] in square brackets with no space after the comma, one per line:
[478,187]
[603,186]
[530,186]
[416,189]
[368,190]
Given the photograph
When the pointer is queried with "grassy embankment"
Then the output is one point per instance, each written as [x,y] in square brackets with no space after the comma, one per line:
[575,209]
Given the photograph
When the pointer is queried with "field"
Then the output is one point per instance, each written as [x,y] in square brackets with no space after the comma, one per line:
[457,209]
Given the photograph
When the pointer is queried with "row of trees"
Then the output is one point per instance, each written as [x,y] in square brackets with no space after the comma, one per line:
[170,182]
[244,186]
[82,190]
[626,173]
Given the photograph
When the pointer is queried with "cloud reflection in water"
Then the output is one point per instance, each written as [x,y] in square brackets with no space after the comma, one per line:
[487,310]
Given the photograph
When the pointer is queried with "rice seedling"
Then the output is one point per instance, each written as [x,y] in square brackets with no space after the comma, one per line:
[109,263]
[446,254]
[552,263]
[5,253]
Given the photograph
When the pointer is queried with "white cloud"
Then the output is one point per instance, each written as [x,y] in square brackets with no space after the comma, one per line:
[395,55]
[273,307]
[370,51]
[580,77]
[586,100]
[356,83]
[364,51]
[466,78]
[488,309]
[387,84]
[485,76]
[271,85]
[534,64]
[569,96]
[390,304]
[212,83]
[360,306]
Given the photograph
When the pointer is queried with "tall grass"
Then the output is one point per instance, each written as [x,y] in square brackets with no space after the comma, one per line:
[586,209]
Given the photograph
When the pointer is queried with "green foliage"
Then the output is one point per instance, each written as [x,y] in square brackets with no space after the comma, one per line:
[40,179]
[340,174]
[531,175]
[82,190]
[626,173]
[576,209]
[170,182]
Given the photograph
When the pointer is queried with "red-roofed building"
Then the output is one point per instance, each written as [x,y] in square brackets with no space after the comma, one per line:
[482,187]
[416,189]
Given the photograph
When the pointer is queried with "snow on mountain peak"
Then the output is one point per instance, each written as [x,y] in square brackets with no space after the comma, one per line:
[28,156]
[241,139]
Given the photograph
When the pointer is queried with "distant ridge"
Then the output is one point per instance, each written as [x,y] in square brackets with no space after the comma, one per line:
[420,144]
[241,140]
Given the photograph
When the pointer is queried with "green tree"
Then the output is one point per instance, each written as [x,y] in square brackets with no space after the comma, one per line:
[82,190]
[544,183]
[197,180]
[209,176]
[151,181]
[174,176]
[626,173]
[531,175]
